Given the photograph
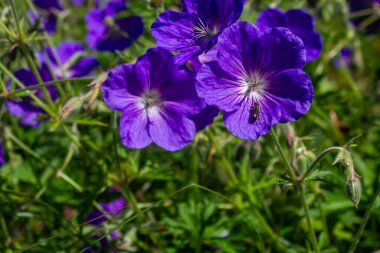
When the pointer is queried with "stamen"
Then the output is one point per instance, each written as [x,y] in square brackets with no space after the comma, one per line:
[202,32]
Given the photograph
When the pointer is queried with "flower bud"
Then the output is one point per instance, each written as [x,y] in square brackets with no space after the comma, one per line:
[95,88]
[71,105]
[344,157]
[354,188]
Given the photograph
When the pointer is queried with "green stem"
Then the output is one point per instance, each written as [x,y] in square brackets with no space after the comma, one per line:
[301,190]
[22,86]
[131,199]
[316,161]
[34,69]
[125,190]
[28,57]
[56,82]
[367,214]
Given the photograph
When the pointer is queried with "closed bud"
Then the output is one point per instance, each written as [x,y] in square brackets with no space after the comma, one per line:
[354,188]
[71,105]
[95,88]
[344,157]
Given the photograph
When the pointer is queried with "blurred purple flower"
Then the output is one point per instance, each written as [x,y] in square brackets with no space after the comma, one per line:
[344,58]
[298,22]
[67,52]
[96,218]
[2,160]
[48,10]
[370,20]
[257,79]
[78,2]
[196,30]
[112,208]
[107,32]
[48,4]
[156,98]
[24,107]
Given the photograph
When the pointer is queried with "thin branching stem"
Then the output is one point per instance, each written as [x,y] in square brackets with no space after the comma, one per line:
[29,59]
[316,161]
[301,190]
[56,82]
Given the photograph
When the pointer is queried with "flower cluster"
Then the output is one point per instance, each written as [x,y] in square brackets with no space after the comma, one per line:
[68,63]
[253,73]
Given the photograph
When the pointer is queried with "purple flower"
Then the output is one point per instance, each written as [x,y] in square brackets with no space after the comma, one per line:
[106,32]
[77,2]
[67,52]
[370,22]
[156,98]
[2,160]
[196,30]
[257,79]
[96,218]
[48,13]
[298,22]
[344,58]
[48,4]
[24,107]
[112,208]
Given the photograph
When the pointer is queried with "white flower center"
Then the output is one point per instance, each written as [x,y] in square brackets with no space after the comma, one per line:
[254,85]
[150,99]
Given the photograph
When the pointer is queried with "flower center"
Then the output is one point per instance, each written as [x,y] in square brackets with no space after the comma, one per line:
[151,99]
[255,85]
[204,32]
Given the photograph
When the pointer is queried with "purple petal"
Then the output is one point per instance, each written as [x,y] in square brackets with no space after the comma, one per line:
[239,123]
[77,2]
[66,50]
[170,130]
[114,207]
[218,87]
[26,111]
[298,18]
[48,4]
[302,24]
[235,49]
[221,13]
[173,32]
[134,128]
[280,49]
[293,91]
[2,160]
[271,18]
[118,89]
[189,6]
[298,22]
[50,22]
[205,117]
[83,67]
